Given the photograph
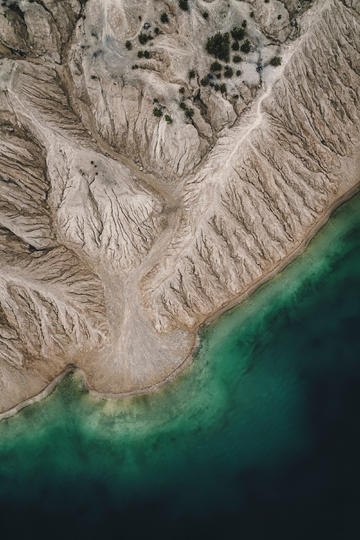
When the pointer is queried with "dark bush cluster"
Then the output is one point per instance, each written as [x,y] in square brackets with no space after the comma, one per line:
[228,72]
[144,54]
[215,66]
[128,45]
[246,47]
[237,59]
[184,5]
[164,17]
[157,112]
[192,73]
[238,33]
[218,45]
[144,38]
[276,61]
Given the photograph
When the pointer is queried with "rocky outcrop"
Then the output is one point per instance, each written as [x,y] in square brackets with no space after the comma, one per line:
[143,188]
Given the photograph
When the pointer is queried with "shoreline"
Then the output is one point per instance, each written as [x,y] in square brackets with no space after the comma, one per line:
[227,306]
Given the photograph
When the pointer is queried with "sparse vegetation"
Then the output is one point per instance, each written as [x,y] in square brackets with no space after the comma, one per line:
[238,33]
[223,88]
[168,119]
[246,47]
[204,81]
[215,66]
[237,59]
[276,61]
[189,113]
[164,17]
[218,45]
[184,5]
[157,112]
[128,45]
[140,54]
[183,106]
[192,74]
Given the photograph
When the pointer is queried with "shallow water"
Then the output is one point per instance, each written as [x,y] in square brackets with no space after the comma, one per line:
[259,438]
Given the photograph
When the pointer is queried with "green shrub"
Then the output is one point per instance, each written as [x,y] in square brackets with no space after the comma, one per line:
[157,112]
[147,54]
[156,31]
[246,46]
[182,90]
[215,66]
[168,119]
[184,5]
[205,15]
[238,33]
[140,54]
[189,113]
[237,59]
[244,23]
[235,46]
[128,45]
[182,106]
[164,17]
[144,38]
[204,81]
[218,45]
[276,61]
[228,72]
[223,88]
[135,66]
[238,73]
[192,74]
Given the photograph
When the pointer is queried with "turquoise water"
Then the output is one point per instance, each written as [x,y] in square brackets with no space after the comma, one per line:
[258,438]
